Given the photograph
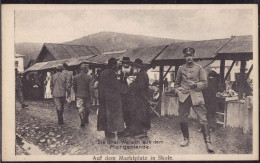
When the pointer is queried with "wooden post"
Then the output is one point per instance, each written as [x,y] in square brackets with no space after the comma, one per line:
[222,74]
[93,71]
[176,70]
[241,79]
[161,79]
[222,69]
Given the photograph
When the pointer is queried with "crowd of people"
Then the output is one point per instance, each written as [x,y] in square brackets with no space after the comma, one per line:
[124,98]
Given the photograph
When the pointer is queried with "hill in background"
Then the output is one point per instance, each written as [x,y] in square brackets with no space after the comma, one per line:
[111,41]
[103,41]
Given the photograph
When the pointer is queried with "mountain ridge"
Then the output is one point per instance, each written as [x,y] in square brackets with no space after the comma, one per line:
[104,41]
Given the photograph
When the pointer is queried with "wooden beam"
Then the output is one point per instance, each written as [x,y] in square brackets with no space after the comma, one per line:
[161,79]
[228,73]
[167,72]
[242,79]
[249,72]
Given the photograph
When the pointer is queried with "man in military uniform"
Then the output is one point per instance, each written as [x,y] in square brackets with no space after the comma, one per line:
[59,87]
[81,86]
[190,81]
[18,89]
[68,76]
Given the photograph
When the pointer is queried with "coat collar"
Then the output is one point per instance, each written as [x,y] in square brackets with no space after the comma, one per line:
[189,65]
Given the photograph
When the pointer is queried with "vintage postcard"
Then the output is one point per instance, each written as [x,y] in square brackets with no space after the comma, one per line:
[130,82]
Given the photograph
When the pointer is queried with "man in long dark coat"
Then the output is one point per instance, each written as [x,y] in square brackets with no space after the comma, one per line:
[110,114]
[211,101]
[126,72]
[140,120]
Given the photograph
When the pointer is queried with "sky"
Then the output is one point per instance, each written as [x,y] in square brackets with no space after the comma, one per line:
[186,24]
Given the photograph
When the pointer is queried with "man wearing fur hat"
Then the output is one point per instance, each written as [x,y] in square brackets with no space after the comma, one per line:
[190,81]
[110,113]
[82,86]
[125,73]
[140,120]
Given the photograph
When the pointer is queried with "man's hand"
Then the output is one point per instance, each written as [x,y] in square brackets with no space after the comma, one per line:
[180,89]
[192,84]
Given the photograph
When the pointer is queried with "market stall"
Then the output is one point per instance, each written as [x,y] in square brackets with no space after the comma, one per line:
[236,48]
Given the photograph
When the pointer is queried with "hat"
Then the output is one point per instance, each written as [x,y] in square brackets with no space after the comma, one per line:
[112,61]
[213,73]
[188,51]
[126,60]
[59,67]
[138,63]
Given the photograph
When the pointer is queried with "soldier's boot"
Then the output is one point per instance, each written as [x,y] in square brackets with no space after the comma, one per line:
[24,106]
[60,118]
[82,119]
[86,116]
[206,134]
[185,132]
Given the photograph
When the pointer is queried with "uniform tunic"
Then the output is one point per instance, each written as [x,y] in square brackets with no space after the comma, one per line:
[59,87]
[81,86]
[191,97]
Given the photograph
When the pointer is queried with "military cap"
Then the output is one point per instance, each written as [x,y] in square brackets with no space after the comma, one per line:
[188,51]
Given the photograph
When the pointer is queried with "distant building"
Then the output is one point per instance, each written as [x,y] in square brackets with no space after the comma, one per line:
[235,70]
[19,62]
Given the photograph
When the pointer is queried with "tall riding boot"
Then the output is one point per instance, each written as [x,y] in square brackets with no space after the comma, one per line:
[82,119]
[60,118]
[185,132]
[86,116]
[206,135]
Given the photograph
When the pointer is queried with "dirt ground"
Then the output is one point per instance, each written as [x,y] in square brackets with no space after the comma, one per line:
[37,133]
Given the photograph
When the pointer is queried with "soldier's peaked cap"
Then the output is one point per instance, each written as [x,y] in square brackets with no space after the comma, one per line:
[188,51]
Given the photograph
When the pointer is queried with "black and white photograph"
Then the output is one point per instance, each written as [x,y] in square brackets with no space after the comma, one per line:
[130,82]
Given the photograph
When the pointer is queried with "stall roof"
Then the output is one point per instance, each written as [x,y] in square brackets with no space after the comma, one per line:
[239,44]
[103,58]
[147,55]
[36,66]
[239,47]
[204,49]
[53,64]
[78,60]
[66,51]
